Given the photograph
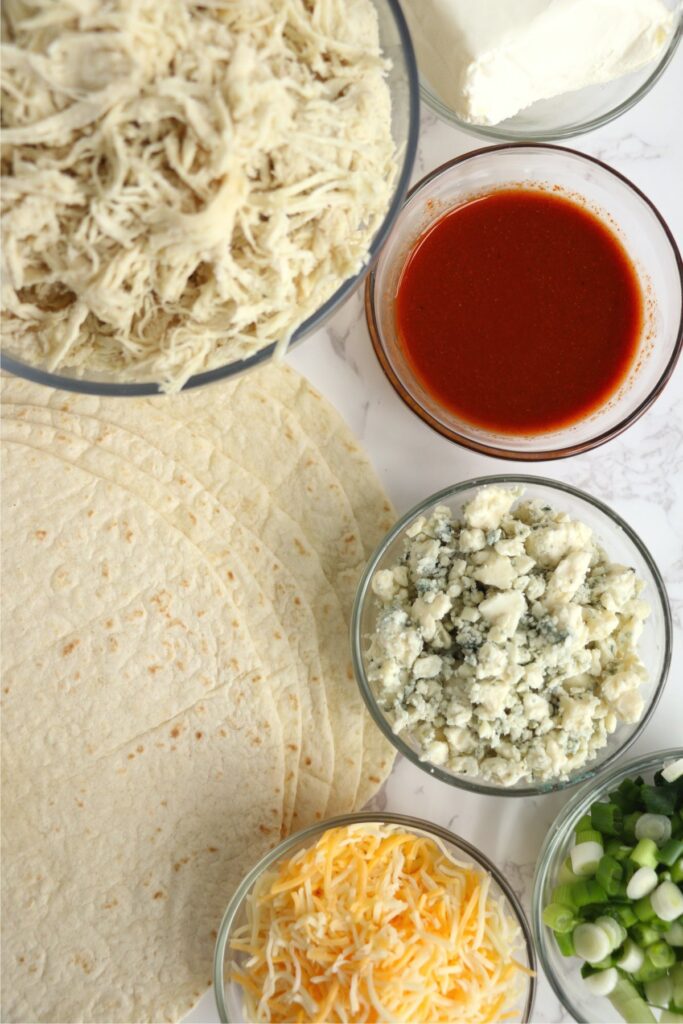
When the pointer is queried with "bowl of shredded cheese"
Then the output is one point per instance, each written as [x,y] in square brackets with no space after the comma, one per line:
[189,188]
[375,918]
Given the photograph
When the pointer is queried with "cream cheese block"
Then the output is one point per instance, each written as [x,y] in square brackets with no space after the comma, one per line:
[489,59]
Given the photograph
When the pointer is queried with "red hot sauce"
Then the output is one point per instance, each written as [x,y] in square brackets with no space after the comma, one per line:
[520,311]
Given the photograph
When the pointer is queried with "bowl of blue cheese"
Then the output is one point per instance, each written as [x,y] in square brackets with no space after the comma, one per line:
[511,635]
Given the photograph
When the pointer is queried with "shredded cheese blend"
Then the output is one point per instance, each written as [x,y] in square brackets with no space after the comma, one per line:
[184,182]
[374,923]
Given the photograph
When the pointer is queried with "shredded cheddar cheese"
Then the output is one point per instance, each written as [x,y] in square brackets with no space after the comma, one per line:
[374,923]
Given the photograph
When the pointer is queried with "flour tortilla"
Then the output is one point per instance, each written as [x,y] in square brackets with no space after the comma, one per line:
[227,482]
[248,499]
[305,454]
[124,521]
[280,448]
[112,777]
[215,541]
[372,510]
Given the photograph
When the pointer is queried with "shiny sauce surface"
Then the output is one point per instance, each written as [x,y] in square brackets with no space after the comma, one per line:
[520,311]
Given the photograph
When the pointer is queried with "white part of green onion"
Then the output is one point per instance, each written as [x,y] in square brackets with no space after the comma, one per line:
[602,983]
[667,900]
[591,943]
[673,770]
[674,936]
[656,827]
[566,874]
[585,858]
[632,959]
[671,1017]
[642,883]
[659,992]
[615,932]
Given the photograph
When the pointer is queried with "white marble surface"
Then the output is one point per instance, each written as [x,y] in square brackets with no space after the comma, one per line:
[640,474]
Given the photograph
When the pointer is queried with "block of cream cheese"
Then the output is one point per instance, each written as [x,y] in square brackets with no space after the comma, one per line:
[489,59]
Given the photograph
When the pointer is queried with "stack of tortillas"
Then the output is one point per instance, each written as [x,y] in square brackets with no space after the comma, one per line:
[177,685]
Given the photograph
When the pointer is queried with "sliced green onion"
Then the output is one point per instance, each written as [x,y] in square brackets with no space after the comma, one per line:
[659,799]
[643,908]
[659,992]
[614,931]
[563,894]
[630,820]
[565,943]
[609,875]
[626,1001]
[585,857]
[591,943]
[660,954]
[674,935]
[670,852]
[644,935]
[667,900]
[589,835]
[624,913]
[645,854]
[602,983]
[628,794]
[649,972]
[566,875]
[558,917]
[671,1017]
[632,957]
[673,770]
[617,849]
[677,979]
[607,819]
[587,891]
[642,883]
[598,965]
[677,871]
[656,827]
[583,824]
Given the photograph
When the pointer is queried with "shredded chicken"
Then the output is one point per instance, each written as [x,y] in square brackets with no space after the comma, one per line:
[184,183]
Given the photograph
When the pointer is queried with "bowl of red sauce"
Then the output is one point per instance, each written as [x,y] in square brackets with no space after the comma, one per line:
[528,303]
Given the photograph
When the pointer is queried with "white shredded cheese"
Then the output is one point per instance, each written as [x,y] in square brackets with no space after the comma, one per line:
[184,183]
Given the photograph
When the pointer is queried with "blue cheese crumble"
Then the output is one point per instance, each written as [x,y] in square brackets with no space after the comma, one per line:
[506,643]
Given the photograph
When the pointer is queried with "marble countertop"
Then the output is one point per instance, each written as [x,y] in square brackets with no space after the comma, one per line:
[640,474]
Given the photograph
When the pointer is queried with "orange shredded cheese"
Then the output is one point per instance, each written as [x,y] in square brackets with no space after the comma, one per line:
[374,923]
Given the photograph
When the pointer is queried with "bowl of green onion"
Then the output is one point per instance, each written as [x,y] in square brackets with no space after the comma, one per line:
[607,911]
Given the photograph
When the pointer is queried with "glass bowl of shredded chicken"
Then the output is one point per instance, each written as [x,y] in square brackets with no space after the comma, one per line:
[188,188]
[368,918]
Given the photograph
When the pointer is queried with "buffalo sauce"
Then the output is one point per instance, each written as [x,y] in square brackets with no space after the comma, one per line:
[520,311]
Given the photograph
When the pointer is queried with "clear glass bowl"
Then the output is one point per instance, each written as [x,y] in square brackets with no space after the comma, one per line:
[572,113]
[563,972]
[641,229]
[622,545]
[405,115]
[229,994]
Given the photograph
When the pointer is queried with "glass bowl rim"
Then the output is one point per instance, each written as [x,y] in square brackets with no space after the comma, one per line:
[385,818]
[496,451]
[443,111]
[363,591]
[131,389]
[557,833]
